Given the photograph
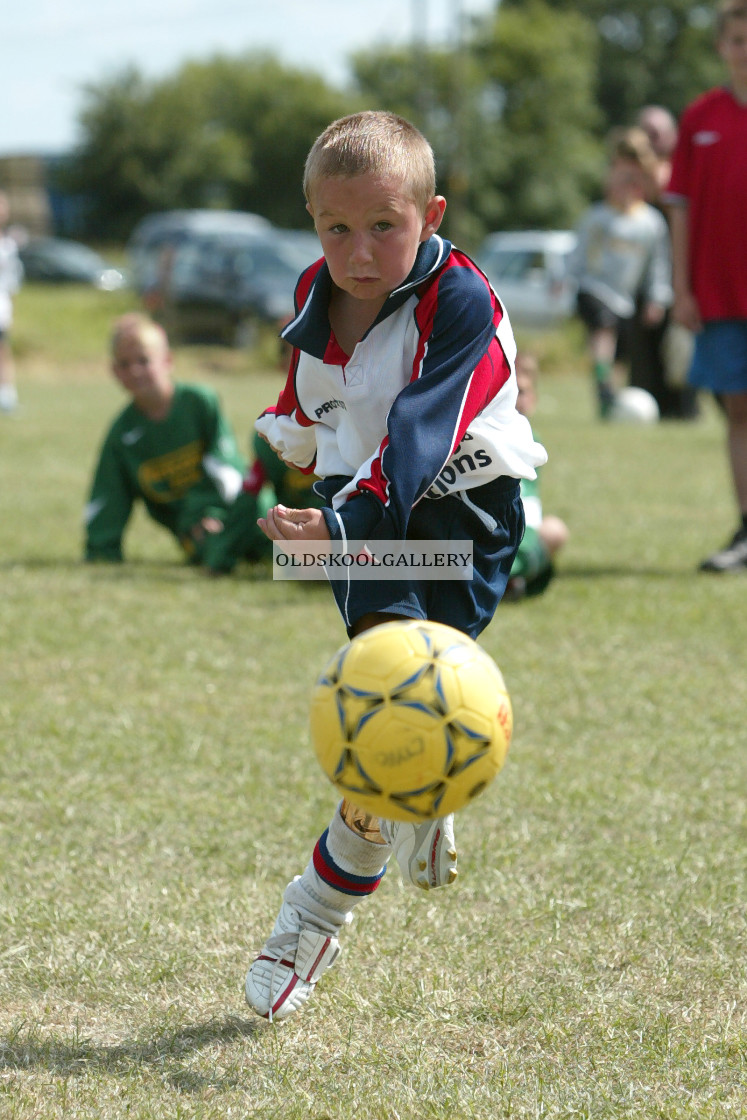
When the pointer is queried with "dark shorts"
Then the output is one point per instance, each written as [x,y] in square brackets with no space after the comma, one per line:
[467,605]
[720,358]
[596,315]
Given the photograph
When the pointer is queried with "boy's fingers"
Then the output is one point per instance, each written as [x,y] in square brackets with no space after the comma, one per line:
[267,525]
[278,525]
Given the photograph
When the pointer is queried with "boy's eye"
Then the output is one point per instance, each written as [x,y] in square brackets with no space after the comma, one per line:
[339,228]
[383,226]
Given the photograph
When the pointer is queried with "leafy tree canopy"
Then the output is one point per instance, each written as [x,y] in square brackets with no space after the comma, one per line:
[516,112]
[649,52]
[511,117]
[229,132]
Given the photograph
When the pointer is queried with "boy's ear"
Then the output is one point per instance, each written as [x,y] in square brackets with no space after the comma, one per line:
[310,209]
[433,216]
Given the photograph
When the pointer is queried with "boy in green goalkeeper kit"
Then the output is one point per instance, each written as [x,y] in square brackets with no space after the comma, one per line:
[172,448]
[544,535]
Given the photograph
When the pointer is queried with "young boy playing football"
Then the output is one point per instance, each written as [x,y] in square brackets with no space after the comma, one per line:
[401,398]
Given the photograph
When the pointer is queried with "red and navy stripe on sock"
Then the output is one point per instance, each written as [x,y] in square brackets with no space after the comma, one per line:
[336,877]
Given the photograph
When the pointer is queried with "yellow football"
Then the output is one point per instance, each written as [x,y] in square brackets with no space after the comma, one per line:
[411,720]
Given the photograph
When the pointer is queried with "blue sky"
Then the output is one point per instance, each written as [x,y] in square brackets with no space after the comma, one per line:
[50,50]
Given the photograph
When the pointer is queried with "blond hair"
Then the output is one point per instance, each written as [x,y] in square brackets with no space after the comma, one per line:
[729,9]
[373,142]
[136,325]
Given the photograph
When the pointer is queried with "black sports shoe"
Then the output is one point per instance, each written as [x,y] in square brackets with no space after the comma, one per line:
[731,558]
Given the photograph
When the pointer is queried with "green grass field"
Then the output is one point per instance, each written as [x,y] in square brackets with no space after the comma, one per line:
[158,790]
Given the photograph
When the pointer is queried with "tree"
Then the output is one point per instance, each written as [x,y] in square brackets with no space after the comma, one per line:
[546,159]
[280,111]
[516,114]
[230,133]
[511,121]
[149,147]
[648,51]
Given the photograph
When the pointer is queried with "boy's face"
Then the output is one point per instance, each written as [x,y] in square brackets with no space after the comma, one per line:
[142,364]
[370,230]
[625,181]
[527,399]
[732,47]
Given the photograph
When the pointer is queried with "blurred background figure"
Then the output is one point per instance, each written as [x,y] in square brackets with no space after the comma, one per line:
[545,534]
[706,196]
[171,448]
[661,128]
[622,258]
[11,273]
[268,482]
[660,353]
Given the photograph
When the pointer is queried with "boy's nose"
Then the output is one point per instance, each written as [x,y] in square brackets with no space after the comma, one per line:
[361,250]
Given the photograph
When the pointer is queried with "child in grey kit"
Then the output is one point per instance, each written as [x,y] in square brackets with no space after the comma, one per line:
[623,253]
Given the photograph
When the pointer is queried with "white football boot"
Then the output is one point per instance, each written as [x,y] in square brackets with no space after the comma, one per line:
[426,853]
[302,946]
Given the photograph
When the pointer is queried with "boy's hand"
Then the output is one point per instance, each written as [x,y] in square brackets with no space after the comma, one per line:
[685,311]
[207,525]
[653,314]
[279,454]
[283,524]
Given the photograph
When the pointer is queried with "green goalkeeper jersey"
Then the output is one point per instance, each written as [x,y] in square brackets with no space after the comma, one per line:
[184,468]
[532,559]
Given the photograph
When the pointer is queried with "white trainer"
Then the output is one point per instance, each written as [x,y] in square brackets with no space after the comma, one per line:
[8,398]
[426,853]
[285,973]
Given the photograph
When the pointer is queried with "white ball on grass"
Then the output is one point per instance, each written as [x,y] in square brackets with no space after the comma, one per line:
[634,406]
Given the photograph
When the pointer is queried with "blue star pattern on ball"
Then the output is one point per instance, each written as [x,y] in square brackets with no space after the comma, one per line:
[411,720]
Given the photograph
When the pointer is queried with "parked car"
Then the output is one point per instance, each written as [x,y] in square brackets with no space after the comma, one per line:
[220,288]
[157,236]
[53,260]
[529,271]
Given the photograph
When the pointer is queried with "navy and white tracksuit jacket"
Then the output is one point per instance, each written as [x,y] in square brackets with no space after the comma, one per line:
[423,407]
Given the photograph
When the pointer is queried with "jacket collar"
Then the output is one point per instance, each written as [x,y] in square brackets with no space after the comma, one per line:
[310,330]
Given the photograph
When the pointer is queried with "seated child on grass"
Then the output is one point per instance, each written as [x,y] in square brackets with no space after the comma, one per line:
[171,447]
[268,481]
[545,534]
